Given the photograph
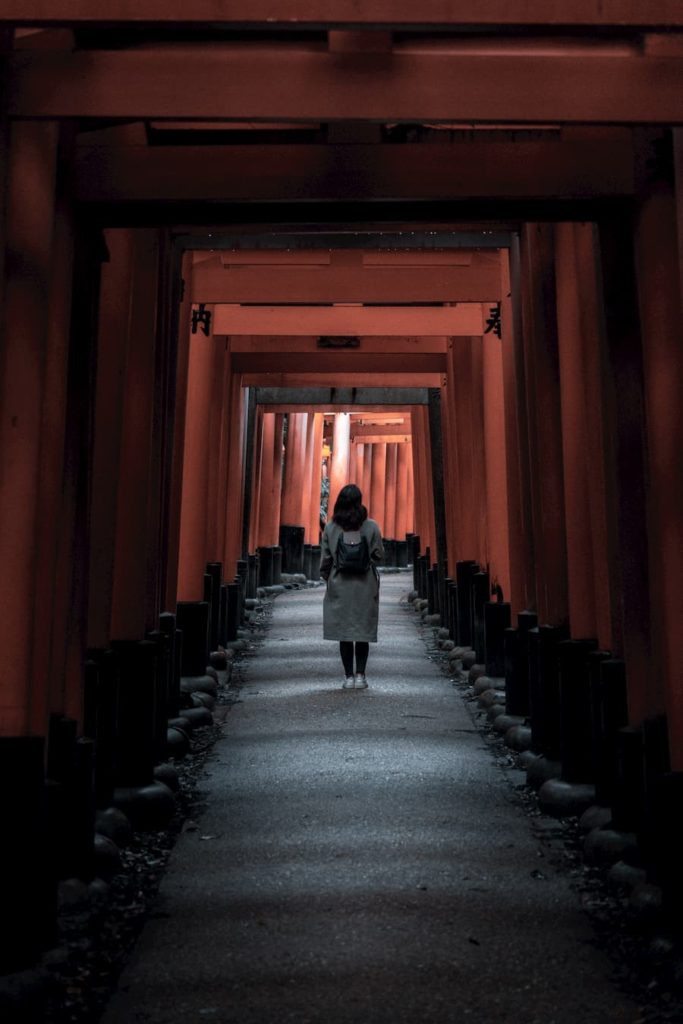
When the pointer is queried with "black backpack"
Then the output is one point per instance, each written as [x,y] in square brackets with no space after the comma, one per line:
[352,558]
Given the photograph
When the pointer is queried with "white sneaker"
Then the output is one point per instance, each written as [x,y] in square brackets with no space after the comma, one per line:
[361,681]
[348,683]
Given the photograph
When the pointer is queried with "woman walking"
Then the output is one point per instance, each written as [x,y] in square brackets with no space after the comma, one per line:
[351,549]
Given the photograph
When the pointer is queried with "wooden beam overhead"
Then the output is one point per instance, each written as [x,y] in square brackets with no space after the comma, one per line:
[347,382]
[362,431]
[346,284]
[298,83]
[339,362]
[465,319]
[546,169]
[383,439]
[298,343]
[322,13]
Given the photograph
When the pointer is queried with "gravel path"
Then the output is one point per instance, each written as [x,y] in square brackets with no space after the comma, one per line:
[361,857]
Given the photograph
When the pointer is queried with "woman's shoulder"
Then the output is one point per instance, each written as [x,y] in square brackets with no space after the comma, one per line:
[371,526]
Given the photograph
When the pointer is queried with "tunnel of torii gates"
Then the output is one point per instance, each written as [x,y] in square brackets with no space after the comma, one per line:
[439,258]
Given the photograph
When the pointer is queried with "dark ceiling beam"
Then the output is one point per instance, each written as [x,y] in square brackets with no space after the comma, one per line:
[381,13]
[296,83]
[539,169]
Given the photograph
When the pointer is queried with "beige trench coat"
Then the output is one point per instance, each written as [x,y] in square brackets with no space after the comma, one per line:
[351,604]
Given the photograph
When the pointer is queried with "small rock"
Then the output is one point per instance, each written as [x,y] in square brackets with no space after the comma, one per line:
[204,700]
[484,683]
[563,799]
[505,722]
[218,660]
[519,738]
[595,817]
[490,697]
[108,862]
[645,902]
[604,846]
[624,876]
[443,634]
[198,717]
[113,823]
[168,774]
[148,807]
[199,684]
[446,645]
[73,894]
[495,711]
[540,769]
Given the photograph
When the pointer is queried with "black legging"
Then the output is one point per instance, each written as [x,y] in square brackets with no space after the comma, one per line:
[346,651]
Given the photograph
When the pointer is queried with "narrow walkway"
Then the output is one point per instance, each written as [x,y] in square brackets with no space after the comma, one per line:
[361,859]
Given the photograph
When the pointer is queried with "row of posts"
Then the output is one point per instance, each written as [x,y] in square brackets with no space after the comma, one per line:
[136,714]
[574,698]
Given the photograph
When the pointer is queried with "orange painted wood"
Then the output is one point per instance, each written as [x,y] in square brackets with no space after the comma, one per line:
[257,479]
[495,463]
[291,510]
[391,495]
[341,451]
[295,83]
[404,512]
[272,285]
[388,430]
[567,169]
[351,360]
[366,485]
[598,451]
[575,438]
[338,380]
[466,382]
[544,424]
[382,437]
[60,618]
[24,328]
[217,451]
[451,490]
[109,403]
[661,310]
[376,501]
[136,541]
[181,375]
[520,530]
[424,499]
[232,544]
[464,318]
[278,344]
[294,13]
[316,456]
[271,481]
[192,549]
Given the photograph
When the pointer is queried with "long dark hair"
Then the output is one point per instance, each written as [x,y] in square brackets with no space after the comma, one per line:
[349,513]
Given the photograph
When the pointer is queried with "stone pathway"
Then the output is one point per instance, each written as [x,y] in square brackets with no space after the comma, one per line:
[361,858]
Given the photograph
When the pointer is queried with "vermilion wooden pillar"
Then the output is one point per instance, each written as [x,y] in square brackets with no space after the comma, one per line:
[217,451]
[378,484]
[390,496]
[466,430]
[450,469]
[544,422]
[271,480]
[597,453]
[497,537]
[625,465]
[366,483]
[341,445]
[181,397]
[291,510]
[235,446]
[57,608]
[197,442]
[136,537]
[28,270]
[257,480]
[424,498]
[575,438]
[315,460]
[404,511]
[659,294]
[522,564]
